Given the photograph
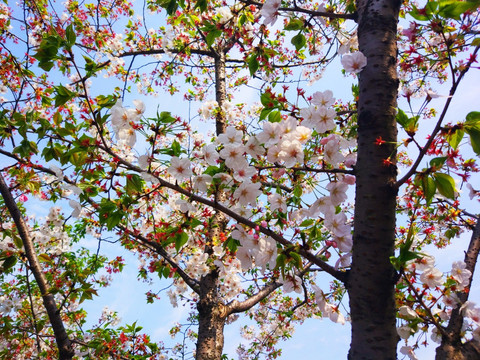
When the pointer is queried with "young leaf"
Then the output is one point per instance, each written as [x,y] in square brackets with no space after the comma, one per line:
[429,188]
[445,185]
[180,240]
[253,64]
[299,41]
[455,138]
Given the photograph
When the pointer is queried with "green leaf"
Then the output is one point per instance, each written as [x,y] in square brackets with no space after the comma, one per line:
[453,9]
[294,24]
[438,162]
[281,260]
[475,42]
[212,35]
[299,41]
[264,113]
[253,64]
[428,188]
[91,68]
[307,223]
[402,118]
[473,117]
[297,191]
[454,138]
[70,35]
[169,5]
[180,240]
[166,117]
[8,263]
[63,95]
[418,15]
[17,241]
[134,184]
[202,5]
[176,148]
[475,139]
[274,116]
[45,258]
[26,148]
[231,244]
[297,259]
[445,185]
[109,214]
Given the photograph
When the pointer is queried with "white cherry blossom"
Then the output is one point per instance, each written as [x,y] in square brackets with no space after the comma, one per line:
[233,156]
[324,98]
[231,136]
[277,202]
[180,169]
[354,63]
[269,11]
[432,277]
[247,193]
[210,154]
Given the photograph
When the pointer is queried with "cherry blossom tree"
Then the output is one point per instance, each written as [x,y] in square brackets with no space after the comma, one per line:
[248,212]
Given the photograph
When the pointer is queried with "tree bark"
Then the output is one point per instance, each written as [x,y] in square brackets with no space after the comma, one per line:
[372,277]
[452,347]
[211,319]
[64,344]
[212,312]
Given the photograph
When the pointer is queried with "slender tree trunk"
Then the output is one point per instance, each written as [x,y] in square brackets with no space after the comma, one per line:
[211,309]
[64,344]
[452,347]
[372,277]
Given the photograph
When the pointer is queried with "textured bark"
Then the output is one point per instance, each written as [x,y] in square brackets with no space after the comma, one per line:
[452,347]
[64,344]
[468,351]
[372,277]
[211,320]
[211,309]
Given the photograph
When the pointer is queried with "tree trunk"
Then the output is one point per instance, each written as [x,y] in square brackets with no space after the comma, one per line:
[211,310]
[458,351]
[372,278]
[211,320]
[64,344]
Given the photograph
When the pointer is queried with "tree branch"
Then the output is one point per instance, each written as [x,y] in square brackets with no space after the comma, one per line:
[236,306]
[438,126]
[64,344]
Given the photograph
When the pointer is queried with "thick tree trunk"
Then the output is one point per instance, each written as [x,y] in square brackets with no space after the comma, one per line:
[372,277]
[211,320]
[452,347]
